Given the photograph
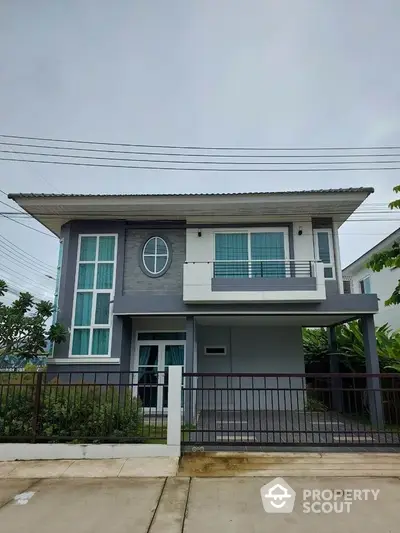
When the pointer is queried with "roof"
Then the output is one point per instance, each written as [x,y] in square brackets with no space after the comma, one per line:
[368,190]
[55,210]
[381,245]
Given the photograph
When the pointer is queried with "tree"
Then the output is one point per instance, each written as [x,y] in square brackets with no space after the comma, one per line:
[23,329]
[389,258]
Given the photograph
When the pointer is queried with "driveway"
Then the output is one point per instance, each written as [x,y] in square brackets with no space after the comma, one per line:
[195,505]
[258,428]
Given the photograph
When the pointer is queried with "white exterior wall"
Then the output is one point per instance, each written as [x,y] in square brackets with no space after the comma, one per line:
[200,249]
[382,284]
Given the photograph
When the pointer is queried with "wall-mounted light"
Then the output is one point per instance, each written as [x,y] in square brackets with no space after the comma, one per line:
[300,232]
[199,233]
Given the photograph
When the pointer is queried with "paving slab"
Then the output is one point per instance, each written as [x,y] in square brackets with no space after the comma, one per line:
[11,487]
[172,505]
[150,467]
[85,506]
[234,504]
[6,467]
[39,469]
[94,468]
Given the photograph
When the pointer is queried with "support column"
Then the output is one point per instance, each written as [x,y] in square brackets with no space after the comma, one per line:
[189,395]
[372,367]
[334,368]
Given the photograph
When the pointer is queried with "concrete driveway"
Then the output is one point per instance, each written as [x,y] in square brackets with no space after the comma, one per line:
[173,505]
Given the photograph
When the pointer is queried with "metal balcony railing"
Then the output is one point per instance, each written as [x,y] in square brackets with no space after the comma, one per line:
[264,268]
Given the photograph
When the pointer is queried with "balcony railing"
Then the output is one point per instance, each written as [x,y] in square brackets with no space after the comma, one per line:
[254,280]
[264,268]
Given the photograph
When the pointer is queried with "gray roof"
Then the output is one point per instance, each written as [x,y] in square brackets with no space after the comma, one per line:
[367,190]
[387,241]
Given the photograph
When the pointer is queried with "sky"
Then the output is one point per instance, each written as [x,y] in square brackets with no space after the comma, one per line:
[204,73]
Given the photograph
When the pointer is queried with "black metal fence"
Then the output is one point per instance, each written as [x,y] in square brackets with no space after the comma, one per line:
[83,407]
[291,409]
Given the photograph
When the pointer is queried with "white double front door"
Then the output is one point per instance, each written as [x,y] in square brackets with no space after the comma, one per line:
[152,359]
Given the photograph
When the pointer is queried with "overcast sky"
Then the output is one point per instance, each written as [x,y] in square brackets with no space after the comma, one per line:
[199,72]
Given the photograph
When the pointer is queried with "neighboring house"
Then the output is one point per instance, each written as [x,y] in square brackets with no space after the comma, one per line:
[358,279]
[219,283]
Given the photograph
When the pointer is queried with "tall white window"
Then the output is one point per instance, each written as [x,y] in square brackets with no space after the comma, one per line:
[94,288]
[323,246]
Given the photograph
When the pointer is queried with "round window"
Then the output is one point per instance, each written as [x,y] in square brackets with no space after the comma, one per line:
[155,256]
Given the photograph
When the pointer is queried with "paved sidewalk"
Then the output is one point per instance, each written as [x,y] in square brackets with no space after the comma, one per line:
[88,468]
[176,505]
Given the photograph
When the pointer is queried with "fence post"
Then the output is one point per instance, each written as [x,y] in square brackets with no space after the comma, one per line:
[36,403]
[174,405]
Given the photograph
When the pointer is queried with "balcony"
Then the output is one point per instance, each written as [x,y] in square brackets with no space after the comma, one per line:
[252,281]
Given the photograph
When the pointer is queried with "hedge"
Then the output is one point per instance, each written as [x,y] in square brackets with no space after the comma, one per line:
[74,412]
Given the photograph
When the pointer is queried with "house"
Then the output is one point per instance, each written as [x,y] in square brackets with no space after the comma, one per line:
[359,279]
[218,283]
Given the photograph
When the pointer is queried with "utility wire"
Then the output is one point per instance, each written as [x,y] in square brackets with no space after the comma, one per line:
[201,169]
[177,161]
[24,277]
[24,262]
[22,252]
[180,147]
[241,156]
[29,227]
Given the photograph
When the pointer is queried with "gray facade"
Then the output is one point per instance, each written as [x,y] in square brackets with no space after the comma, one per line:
[253,350]
[137,293]
[136,283]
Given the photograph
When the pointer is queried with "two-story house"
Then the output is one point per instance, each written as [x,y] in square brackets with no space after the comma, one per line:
[359,279]
[219,283]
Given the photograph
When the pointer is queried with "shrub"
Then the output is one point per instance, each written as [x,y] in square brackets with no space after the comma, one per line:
[82,412]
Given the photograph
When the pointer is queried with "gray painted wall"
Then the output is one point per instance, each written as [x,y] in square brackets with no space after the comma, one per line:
[251,350]
[87,373]
[135,282]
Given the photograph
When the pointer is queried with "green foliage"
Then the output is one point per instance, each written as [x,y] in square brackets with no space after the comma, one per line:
[312,404]
[23,329]
[350,347]
[79,413]
[389,258]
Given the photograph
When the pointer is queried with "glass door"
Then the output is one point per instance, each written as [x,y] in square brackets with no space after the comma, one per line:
[148,377]
[153,360]
[174,354]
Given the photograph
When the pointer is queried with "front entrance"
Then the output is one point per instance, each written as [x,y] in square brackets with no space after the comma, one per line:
[152,359]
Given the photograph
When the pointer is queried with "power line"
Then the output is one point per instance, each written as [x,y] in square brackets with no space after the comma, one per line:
[241,156]
[24,277]
[21,251]
[200,169]
[24,261]
[16,291]
[177,161]
[29,227]
[180,147]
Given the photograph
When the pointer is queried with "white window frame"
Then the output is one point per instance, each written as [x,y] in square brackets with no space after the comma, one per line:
[368,276]
[331,250]
[160,366]
[95,292]
[155,255]
[248,232]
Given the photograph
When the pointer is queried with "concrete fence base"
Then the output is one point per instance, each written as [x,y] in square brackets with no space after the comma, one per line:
[26,451]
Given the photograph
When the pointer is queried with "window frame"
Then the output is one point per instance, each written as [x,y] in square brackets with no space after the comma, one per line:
[332,263]
[362,281]
[168,255]
[94,291]
[248,232]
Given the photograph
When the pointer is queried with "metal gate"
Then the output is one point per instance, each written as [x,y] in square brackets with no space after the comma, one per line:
[259,410]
